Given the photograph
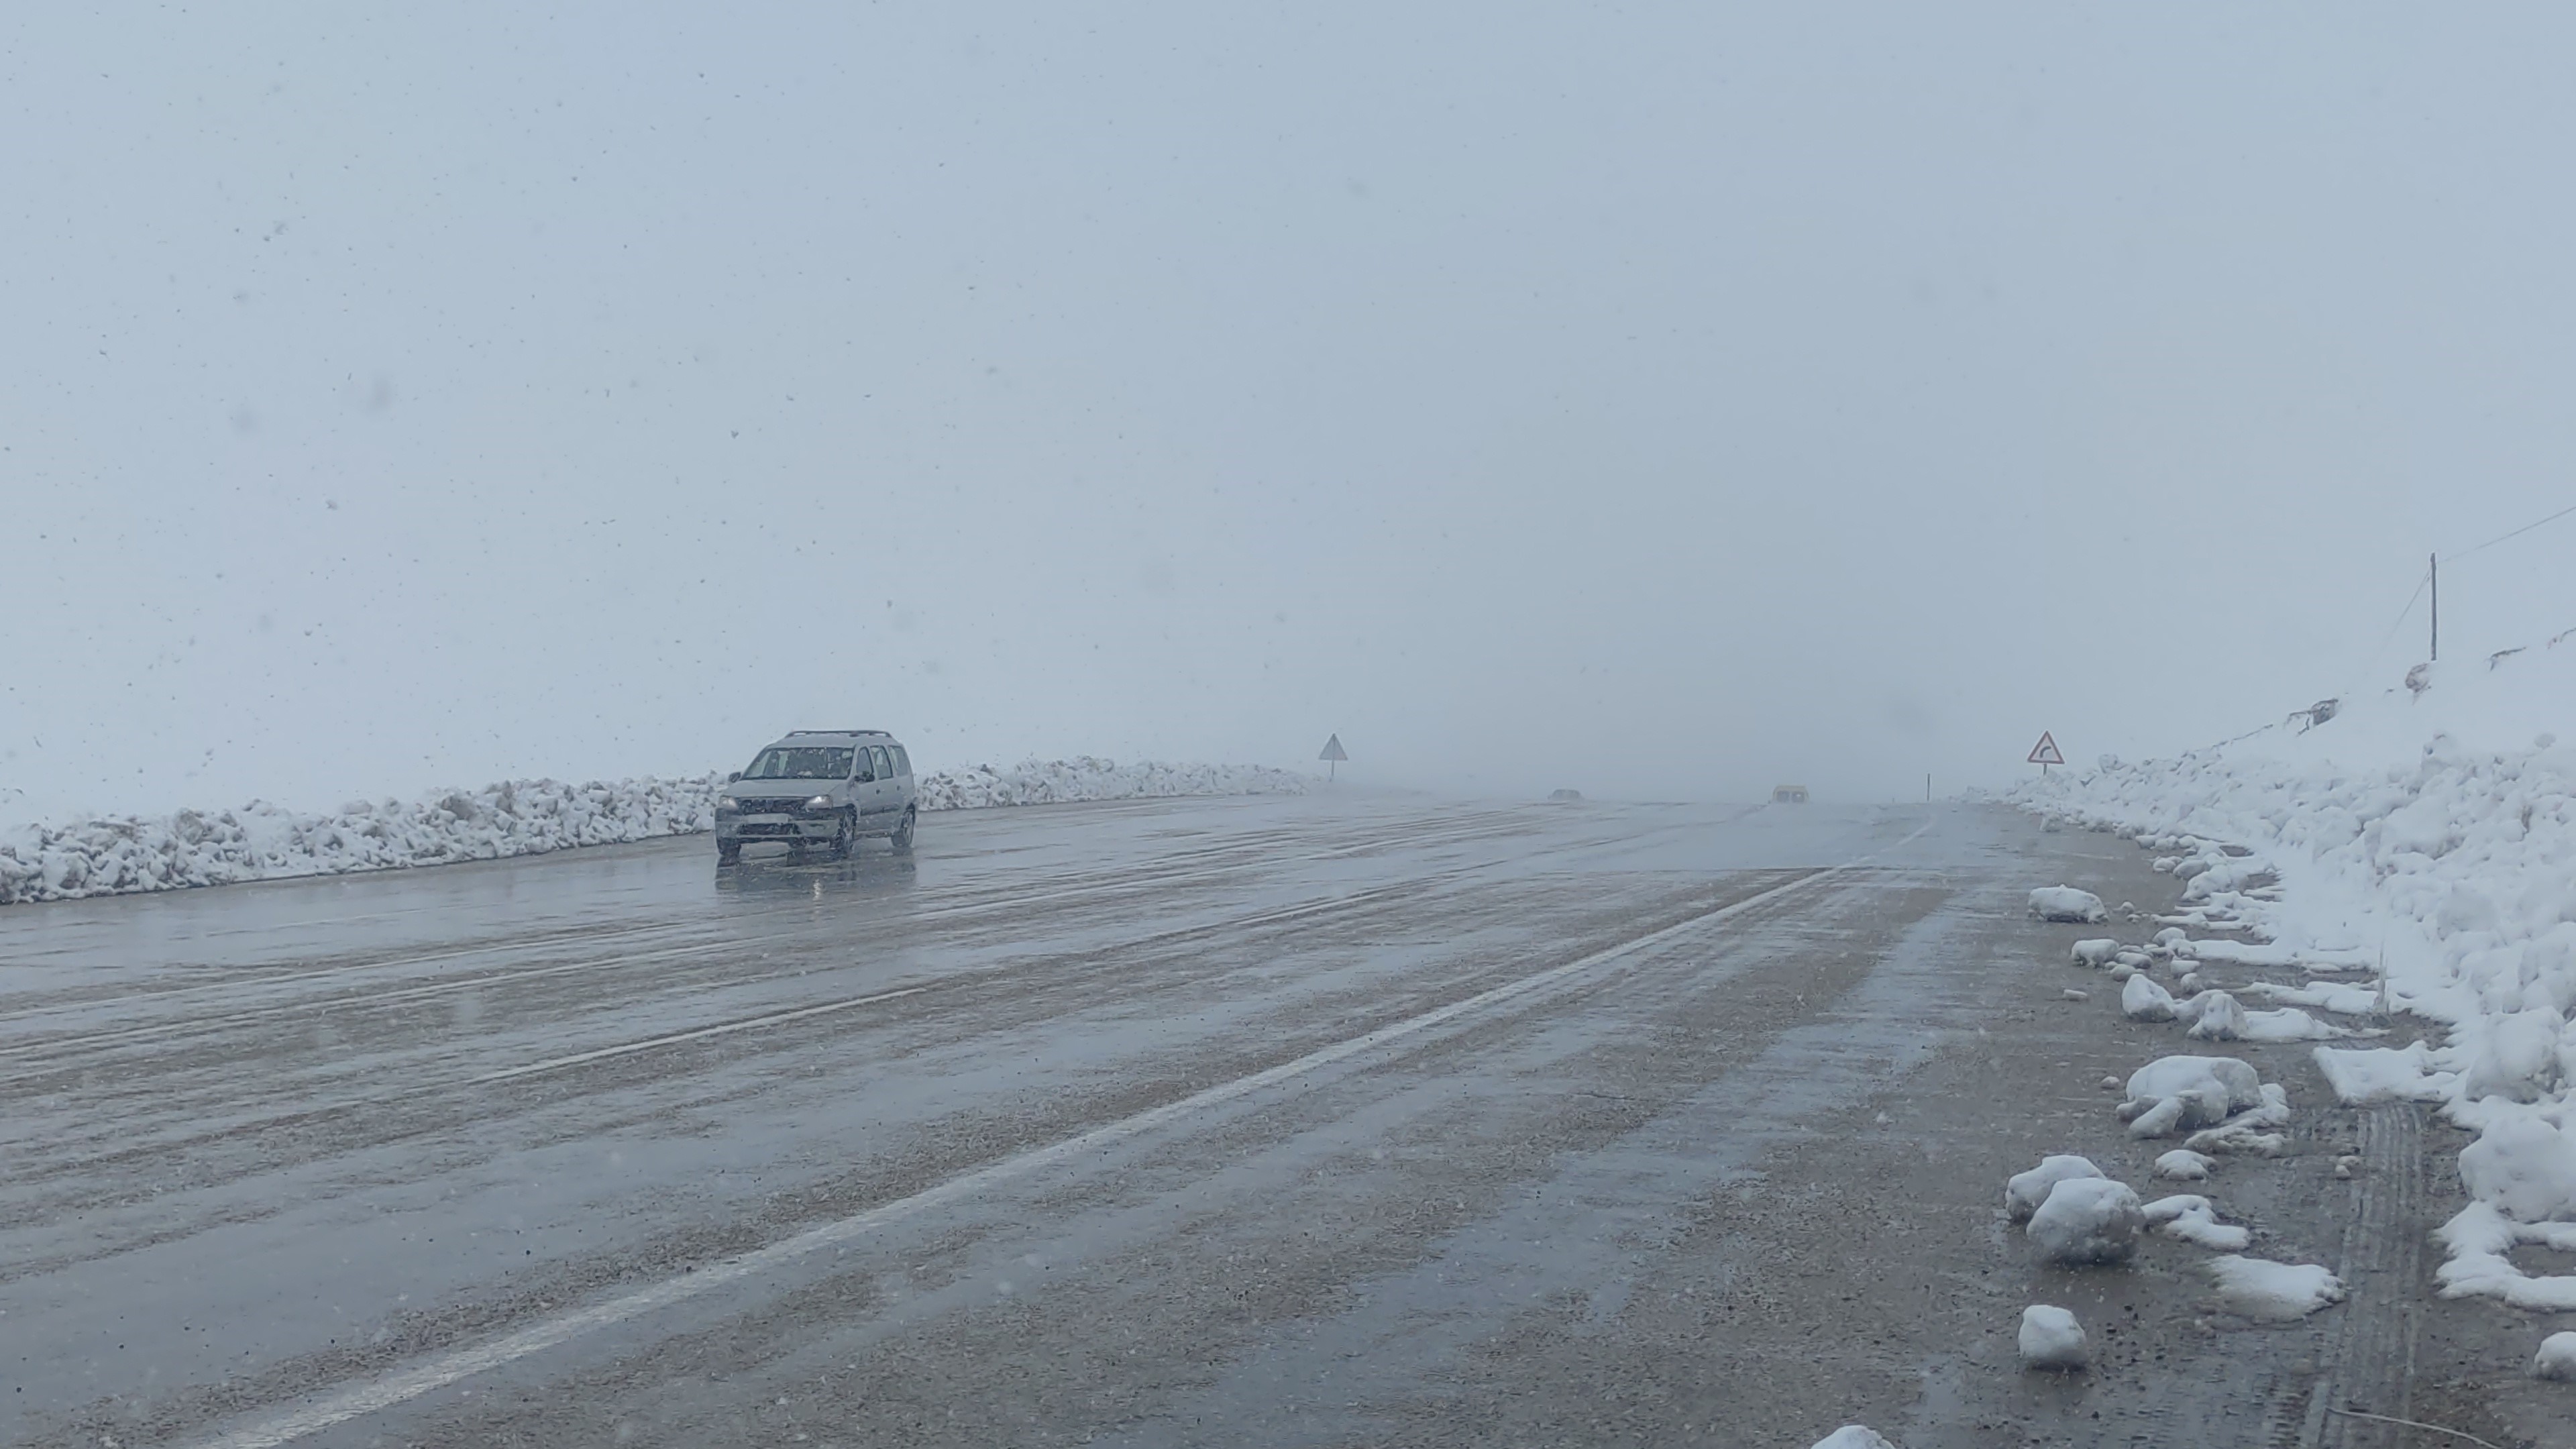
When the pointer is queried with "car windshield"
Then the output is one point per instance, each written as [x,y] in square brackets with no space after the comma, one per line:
[800,764]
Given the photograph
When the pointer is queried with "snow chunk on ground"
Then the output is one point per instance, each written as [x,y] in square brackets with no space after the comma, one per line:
[2088,1220]
[2266,953]
[2288,1024]
[2096,953]
[2216,1016]
[2027,1190]
[2052,1339]
[2243,1133]
[2239,1139]
[2383,1074]
[1854,1436]
[2330,996]
[2273,1292]
[2172,1094]
[2194,1219]
[2065,903]
[2184,1165]
[2478,1239]
[2219,1016]
[2143,1000]
[2556,1359]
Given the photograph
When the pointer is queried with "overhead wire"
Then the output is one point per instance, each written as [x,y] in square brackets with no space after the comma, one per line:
[2517,533]
[2425,579]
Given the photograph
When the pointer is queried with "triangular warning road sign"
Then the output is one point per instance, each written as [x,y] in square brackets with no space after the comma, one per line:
[1333,750]
[2045,752]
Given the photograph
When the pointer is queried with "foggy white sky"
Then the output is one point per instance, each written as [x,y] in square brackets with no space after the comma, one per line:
[1646,399]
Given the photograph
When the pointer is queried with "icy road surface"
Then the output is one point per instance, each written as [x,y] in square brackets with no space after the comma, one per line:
[1263,1122]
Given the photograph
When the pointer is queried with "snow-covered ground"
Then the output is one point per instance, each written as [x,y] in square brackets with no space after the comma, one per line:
[2417,851]
[118,855]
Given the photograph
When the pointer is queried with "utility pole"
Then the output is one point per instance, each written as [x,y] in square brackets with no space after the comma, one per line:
[2435,568]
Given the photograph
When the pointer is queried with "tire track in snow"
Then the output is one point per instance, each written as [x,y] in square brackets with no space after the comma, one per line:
[2368,1359]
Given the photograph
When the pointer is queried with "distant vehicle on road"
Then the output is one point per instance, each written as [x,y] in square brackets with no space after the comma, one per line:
[1789,795]
[831,788]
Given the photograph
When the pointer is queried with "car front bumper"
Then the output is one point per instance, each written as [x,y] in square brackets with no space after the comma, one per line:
[749,826]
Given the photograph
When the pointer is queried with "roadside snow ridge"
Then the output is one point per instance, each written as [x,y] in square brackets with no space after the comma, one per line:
[120,855]
[2426,837]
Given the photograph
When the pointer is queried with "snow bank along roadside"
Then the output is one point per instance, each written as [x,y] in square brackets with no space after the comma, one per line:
[122,855]
[2410,853]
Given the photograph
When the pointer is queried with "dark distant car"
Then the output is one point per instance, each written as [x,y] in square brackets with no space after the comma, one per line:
[830,788]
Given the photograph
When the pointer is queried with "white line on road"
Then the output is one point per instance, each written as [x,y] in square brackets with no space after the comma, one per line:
[457,1364]
[49,1054]
[977,901]
[696,1034]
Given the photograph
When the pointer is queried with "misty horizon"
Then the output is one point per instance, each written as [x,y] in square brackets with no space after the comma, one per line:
[1661,405]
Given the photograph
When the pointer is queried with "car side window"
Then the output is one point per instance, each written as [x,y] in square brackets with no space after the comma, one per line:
[865,772]
[902,761]
[885,767]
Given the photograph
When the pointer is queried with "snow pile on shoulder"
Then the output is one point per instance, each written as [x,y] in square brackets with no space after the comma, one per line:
[126,854]
[2434,828]
[120,855]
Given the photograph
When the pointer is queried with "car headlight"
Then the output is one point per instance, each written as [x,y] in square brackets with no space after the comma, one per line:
[727,802]
[819,802]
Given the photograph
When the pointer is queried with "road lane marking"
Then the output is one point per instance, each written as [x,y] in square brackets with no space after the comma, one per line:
[63,1050]
[695,1034]
[942,904]
[458,1364]
[51,1054]
[1296,912]
[149,996]
[66,1047]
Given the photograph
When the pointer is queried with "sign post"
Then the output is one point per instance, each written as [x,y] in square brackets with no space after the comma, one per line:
[1332,752]
[2045,753]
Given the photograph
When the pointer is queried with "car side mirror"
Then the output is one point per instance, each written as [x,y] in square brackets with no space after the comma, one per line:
[734,779]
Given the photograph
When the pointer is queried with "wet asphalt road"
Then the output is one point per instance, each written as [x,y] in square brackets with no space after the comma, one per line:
[1276,1122]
